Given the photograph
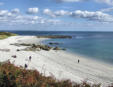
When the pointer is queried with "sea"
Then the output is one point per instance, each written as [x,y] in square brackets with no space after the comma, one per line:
[94,45]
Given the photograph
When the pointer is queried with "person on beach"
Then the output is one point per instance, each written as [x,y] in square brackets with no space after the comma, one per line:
[25,66]
[17,50]
[14,56]
[78,60]
[30,58]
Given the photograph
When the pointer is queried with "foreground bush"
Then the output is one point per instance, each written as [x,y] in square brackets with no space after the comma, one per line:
[12,76]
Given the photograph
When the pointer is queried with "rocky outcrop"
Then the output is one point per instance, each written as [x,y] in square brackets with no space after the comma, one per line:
[34,47]
[55,36]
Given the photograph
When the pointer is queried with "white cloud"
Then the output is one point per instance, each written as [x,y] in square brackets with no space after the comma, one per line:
[9,14]
[12,18]
[35,18]
[70,0]
[56,13]
[61,13]
[9,18]
[25,19]
[16,10]
[6,13]
[32,10]
[48,12]
[3,12]
[107,9]
[91,16]
[109,2]
[97,16]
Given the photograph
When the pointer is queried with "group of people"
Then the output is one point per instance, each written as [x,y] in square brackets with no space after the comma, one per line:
[25,66]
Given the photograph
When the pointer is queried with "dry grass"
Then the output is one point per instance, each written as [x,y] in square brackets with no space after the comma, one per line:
[4,35]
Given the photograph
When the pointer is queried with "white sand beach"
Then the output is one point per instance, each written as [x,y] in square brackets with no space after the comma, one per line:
[61,64]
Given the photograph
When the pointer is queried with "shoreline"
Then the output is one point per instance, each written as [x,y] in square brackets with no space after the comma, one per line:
[61,64]
[88,69]
[83,56]
[90,58]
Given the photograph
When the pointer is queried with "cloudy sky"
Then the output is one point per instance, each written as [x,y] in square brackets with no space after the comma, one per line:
[56,15]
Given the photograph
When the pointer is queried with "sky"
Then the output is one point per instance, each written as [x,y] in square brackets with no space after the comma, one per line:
[56,15]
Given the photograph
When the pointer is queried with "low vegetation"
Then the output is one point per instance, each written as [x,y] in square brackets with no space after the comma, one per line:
[4,35]
[13,76]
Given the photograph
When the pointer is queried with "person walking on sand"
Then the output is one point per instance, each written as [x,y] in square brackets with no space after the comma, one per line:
[78,60]
[30,58]
[14,56]
[25,66]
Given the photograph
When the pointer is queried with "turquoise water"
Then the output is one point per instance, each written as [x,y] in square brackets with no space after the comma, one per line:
[98,46]
[95,45]
[99,49]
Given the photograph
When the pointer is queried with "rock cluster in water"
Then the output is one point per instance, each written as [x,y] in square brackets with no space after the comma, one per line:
[34,47]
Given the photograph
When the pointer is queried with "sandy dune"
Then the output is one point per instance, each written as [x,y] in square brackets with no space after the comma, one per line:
[62,65]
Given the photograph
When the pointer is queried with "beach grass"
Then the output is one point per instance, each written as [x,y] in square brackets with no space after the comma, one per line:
[4,35]
[13,76]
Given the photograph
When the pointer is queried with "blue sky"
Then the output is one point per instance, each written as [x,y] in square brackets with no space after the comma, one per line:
[56,15]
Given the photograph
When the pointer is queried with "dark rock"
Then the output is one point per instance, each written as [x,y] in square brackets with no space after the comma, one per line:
[55,36]
[56,48]
[52,43]
[64,49]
